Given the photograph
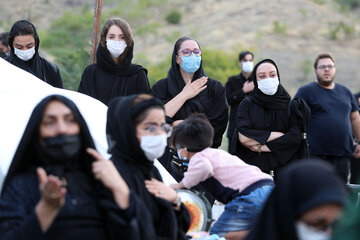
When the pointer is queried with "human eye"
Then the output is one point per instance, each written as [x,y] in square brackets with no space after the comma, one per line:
[261,76]
[196,51]
[152,129]
[186,52]
[321,67]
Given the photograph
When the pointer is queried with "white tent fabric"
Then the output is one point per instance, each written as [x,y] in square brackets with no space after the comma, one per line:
[20,92]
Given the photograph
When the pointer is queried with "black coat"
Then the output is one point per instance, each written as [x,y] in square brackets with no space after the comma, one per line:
[105,79]
[90,211]
[234,95]
[37,66]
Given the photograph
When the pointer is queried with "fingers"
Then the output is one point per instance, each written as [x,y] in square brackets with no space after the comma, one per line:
[95,154]
[41,175]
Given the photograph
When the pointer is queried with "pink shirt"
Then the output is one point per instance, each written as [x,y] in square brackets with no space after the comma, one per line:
[228,169]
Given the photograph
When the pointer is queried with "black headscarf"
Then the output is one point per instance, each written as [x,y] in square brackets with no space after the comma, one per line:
[27,158]
[279,100]
[211,101]
[37,66]
[121,133]
[301,187]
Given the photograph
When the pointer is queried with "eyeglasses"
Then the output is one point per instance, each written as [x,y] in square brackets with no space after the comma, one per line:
[322,67]
[187,52]
[154,129]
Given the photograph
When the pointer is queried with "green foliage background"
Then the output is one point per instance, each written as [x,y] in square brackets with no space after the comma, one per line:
[68,40]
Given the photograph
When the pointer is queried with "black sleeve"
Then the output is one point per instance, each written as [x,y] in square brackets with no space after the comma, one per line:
[133,223]
[218,115]
[142,85]
[159,90]
[244,123]
[58,80]
[17,213]
[83,87]
[233,96]
[286,146]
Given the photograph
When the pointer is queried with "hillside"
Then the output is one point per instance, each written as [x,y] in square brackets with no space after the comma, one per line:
[292,32]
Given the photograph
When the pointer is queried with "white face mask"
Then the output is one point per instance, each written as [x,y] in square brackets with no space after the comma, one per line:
[305,232]
[116,48]
[247,67]
[268,86]
[153,146]
[24,55]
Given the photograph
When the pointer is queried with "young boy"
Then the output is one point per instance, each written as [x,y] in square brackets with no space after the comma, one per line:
[242,187]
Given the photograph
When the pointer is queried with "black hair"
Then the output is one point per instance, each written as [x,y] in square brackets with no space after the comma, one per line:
[4,38]
[180,41]
[244,53]
[21,28]
[195,133]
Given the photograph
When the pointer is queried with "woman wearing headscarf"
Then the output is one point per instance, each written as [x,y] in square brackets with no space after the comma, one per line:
[304,204]
[269,124]
[55,189]
[137,134]
[24,53]
[187,90]
[113,74]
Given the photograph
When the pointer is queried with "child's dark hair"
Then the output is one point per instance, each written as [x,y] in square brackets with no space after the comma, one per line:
[195,133]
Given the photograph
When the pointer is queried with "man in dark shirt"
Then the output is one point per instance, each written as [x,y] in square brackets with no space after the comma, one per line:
[334,115]
[237,87]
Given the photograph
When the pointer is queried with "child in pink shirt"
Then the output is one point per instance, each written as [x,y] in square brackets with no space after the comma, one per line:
[242,187]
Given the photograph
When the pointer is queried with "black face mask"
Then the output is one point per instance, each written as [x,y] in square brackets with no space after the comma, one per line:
[61,149]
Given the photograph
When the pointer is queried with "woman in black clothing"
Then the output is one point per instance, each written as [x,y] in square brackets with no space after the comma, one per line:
[113,74]
[187,89]
[24,44]
[269,125]
[137,134]
[80,198]
[304,204]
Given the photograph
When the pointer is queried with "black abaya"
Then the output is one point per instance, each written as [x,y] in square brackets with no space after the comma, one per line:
[105,79]
[258,115]
[37,66]
[135,168]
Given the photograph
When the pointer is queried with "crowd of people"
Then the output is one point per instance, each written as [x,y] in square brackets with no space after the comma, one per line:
[284,175]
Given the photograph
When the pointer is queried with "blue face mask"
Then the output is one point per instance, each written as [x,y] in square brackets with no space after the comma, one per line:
[179,156]
[190,64]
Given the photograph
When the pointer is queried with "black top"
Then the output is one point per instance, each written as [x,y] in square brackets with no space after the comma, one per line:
[330,130]
[105,79]
[211,101]
[302,186]
[234,95]
[90,211]
[135,168]
[37,66]
[260,114]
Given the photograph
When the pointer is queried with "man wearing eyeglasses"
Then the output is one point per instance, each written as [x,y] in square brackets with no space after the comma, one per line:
[334,115]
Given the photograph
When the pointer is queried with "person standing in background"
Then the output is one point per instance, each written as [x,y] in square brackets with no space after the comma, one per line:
[24,43]
[4,45]
[237,87]
[334,117]
[113,74]
[187,90]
